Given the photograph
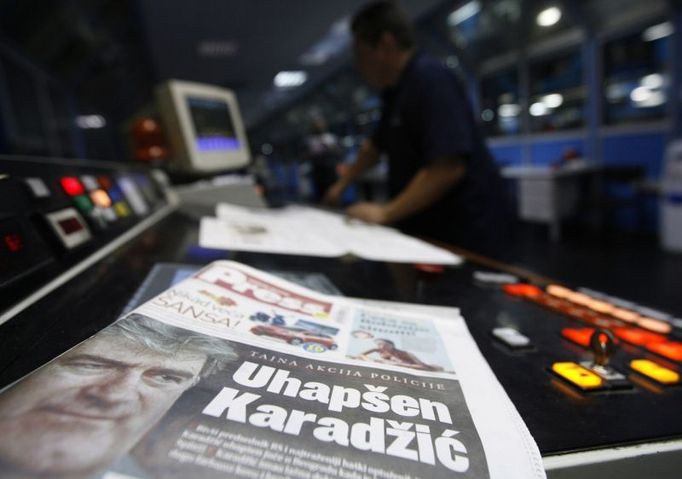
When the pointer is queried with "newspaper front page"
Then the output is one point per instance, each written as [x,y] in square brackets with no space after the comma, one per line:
[237,373]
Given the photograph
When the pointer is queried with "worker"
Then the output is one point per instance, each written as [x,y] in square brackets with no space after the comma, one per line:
[442,182]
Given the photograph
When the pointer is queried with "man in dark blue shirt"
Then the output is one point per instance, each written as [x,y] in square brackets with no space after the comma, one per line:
[443,183]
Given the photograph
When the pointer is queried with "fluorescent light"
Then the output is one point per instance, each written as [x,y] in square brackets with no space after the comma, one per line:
[640,94]
[549,16]
[644,97]
[290,79]
[538,109]
[464,13]
[653,81]
[508,110]
[90,122]
[553,100]
[656,32]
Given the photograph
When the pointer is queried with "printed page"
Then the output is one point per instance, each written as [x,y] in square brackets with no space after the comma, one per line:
[414,339]
[279,231]
[265,235]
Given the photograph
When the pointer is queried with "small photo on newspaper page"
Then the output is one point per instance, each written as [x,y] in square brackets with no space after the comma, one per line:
[385,337]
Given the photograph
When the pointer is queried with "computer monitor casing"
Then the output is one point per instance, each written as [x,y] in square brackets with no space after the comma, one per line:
[203,138]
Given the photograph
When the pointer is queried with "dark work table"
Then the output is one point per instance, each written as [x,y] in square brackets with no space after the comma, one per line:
[560,418]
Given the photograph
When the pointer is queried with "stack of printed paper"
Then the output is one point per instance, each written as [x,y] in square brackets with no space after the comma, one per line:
[311,232]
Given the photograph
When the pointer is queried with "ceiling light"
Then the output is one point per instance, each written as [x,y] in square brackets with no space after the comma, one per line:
[652,81]
[464,13]
[656,32]
[538,109]
[90,122]
[553,100]
[549,16]
[640,94]
[648,98]
[290,79]
[508,110]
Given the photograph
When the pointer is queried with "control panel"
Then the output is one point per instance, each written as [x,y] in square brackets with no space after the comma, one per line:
[54,214]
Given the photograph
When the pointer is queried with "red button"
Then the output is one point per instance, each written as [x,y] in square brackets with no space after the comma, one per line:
[579,336]
[667,349]
[523,290]
[638,337]
[72,186]
[14,242]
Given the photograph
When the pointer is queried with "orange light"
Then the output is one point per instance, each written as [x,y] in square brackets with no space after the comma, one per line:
[100,198]
[579,298]
[654,325]
[580,336]
[522,290]
[625,315]
[601,306]
[558,291]
[638,337]
[667,349]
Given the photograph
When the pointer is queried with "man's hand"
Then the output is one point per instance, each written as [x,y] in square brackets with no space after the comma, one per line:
[333,195]
[369,212]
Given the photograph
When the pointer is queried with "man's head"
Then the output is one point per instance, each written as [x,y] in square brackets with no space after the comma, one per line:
[383,41]
[83,410]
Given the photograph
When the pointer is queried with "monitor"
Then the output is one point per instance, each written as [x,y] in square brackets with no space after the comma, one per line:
[204,127]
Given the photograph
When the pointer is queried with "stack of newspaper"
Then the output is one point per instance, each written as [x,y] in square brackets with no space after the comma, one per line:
[237,373]
[312,232]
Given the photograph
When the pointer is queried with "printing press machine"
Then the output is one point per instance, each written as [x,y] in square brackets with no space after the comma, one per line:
[70,262]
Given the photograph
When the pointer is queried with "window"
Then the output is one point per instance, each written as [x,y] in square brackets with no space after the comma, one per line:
[500,104]
[557,93]
[635,79]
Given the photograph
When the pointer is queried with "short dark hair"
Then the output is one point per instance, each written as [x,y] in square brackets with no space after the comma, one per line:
[377,18]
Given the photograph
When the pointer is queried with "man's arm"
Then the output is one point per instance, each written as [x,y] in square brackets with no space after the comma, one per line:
[368,155]
[428,186]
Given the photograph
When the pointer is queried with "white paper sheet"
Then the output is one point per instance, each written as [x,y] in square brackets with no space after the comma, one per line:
[307,231]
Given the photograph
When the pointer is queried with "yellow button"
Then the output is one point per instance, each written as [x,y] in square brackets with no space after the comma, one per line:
[122,209]
[655,371]
[578,375]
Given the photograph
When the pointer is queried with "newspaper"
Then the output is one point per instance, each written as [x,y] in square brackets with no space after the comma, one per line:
[237,373]
[326,235]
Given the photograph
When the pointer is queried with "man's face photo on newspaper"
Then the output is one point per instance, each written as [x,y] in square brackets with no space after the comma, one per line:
[80,412]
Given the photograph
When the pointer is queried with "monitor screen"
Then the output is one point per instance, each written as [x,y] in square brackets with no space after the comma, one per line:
[213,126]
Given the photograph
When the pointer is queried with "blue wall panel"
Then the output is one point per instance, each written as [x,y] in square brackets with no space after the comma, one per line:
[549,152]
[645,149]
[507,155]
[637,212]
